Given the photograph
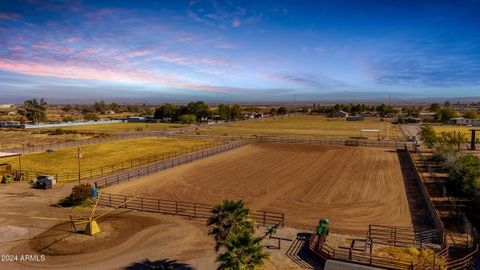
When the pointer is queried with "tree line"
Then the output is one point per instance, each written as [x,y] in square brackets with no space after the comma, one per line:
[351,108]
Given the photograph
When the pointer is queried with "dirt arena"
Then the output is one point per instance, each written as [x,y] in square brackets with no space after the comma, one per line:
[352,186]
[128,240]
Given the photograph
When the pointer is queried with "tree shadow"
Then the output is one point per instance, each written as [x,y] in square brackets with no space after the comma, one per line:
[164,264]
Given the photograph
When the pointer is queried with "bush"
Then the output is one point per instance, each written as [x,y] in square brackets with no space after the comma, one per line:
[68,119]
[465,174]
[58,131]
[91,117]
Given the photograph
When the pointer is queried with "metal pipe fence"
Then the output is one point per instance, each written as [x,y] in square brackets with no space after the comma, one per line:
[168,163]
[117,167]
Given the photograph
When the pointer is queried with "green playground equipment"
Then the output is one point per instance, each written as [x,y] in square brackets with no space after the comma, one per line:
[323,227]
[7,178]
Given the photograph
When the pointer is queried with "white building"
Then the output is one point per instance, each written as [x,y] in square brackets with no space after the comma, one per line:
[461,121]
[7,106]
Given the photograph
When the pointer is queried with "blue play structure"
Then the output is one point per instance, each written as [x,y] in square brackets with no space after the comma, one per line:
[94,192]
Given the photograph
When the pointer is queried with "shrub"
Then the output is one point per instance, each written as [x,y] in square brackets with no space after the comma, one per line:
[58,131]
[465,173]
[91,117]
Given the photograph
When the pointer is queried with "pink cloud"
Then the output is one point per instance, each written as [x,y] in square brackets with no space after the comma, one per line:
[236,23]
[9,16]
[139,53]
[83,72]
[182,60]
[73,39]
[89,51]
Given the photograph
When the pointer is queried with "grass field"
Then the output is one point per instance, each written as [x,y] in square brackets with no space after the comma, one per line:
[13,138]
[304,126]
[94,156]
[450,128]
[124,127]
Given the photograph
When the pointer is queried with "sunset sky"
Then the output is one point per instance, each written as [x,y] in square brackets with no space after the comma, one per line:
[238,50]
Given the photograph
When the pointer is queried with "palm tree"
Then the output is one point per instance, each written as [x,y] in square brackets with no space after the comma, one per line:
[229,217]
[244,251]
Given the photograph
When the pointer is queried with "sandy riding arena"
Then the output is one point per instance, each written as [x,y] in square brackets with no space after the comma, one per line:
[352,186]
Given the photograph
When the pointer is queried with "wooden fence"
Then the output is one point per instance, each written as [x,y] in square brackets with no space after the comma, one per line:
[402,236]
[324,251]
[168,163]
[110,169]
[62,145]
[185,209]
[428,200]
[337,141]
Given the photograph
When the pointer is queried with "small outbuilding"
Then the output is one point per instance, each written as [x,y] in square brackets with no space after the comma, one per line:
[355,118]
[339,114]
[461,121]
[46,181]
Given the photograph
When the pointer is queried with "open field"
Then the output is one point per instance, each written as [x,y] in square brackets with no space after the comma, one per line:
[124,127]
[311,126]
[97,155]
[353,187]
[14,138]
[450,128]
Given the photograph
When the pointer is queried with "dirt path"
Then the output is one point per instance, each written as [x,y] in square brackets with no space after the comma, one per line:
[353,187]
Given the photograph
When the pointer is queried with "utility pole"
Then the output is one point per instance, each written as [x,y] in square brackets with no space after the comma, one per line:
[79,155]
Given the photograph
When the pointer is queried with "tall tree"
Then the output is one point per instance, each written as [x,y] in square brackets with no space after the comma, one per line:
[445,114]
[428,136]
[36,111]
[227,218]
[243,251]
[198,108]
[471,114]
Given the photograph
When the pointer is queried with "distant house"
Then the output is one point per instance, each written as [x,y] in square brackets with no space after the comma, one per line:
[7,106]
[109,112]
[426,115]
[136,119]
[339,114]
[461,121]
[355,118]
[11,124]
[390,115]
[254,115]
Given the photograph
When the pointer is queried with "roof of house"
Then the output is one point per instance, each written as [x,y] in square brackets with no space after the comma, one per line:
[7,154]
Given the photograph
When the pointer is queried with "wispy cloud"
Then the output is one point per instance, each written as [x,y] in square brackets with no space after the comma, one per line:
[428,65]
[310,81]
[10,16]
[139,53]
